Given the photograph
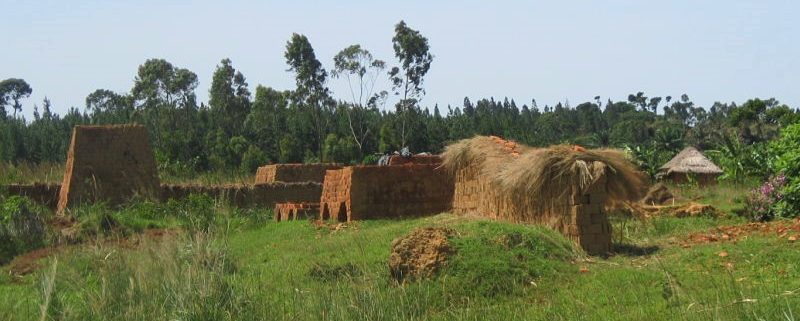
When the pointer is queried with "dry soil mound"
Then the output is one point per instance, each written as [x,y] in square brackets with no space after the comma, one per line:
[658,194]
[420,253]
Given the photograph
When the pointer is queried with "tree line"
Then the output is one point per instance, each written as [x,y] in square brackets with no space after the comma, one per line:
[242,128]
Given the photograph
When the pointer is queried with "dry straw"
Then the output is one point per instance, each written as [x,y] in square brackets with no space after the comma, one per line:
[540,179]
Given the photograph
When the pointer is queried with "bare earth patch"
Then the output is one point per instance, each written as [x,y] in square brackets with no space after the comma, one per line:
[789,230]
[420,254]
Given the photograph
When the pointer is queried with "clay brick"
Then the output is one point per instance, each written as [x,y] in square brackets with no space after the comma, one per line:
[293,173]
[386,191]
[108,163]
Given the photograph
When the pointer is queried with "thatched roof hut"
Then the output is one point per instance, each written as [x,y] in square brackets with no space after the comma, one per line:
[564,187]
[690,165]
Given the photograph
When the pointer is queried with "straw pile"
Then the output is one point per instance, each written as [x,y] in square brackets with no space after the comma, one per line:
[540,179]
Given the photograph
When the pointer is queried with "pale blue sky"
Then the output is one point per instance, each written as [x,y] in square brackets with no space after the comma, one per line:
[548,50]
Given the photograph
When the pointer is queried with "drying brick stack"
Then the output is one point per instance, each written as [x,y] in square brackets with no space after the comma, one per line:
[111,164]
[566,188]
[366,192]
[293,173]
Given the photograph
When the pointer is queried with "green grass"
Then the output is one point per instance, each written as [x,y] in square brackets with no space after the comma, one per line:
[27,173]
[246,267]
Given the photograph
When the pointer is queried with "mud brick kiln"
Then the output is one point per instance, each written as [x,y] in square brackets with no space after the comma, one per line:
[564,188]
[108,163]
[365,192]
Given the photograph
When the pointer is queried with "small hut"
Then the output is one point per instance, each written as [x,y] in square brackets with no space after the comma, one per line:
[566,188]
[690,165]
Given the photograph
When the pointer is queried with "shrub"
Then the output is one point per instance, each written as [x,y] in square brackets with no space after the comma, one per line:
[197,211]
[22,227]
[786,161]
[762,202]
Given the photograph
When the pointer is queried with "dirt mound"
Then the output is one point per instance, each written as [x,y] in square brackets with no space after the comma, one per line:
[420,254]
[691,209]
[658,194]
[695,209]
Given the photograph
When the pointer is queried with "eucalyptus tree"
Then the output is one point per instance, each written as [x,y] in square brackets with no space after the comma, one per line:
[229,98]
[311,93]
[361,70]
[413,52]
[12,90]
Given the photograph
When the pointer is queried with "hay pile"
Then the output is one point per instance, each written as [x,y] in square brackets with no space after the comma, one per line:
[540,179]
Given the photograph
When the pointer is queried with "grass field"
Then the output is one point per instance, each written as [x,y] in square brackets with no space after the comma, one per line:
[245,267]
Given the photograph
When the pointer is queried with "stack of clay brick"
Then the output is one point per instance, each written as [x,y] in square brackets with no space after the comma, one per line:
[512,148]
[240,195]
[42,193]
[580,215]
[295,211]
[291,173]
[420,159]
[364,192]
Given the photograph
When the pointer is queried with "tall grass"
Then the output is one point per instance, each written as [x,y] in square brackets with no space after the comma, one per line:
[26,173]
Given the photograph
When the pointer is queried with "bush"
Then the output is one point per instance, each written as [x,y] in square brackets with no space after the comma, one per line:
[197,211]
[786,161]
[22,227]
[762,202]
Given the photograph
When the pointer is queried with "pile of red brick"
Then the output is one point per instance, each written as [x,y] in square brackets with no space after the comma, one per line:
[365,192]
[294,173]
[295,211]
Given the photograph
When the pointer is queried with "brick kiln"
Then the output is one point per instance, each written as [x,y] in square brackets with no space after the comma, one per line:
[295,211]
[561,187]
[365,192]
[111,163]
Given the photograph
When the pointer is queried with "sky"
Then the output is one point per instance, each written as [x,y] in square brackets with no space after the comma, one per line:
[550,51]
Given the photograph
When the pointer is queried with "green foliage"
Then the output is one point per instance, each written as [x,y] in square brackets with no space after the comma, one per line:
[649,157]
[740,161]
[786,153]
[22,227]
[197,211]
[253,158]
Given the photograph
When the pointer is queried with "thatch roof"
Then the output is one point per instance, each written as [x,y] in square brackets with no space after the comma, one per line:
[539,178]
[690,160]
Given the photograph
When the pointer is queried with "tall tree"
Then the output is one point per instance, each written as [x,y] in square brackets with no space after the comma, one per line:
[12,90]
[413,52]
[229,98]
[311,93]
[358,65]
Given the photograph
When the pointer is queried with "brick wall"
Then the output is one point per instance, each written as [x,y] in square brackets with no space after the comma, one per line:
[108,163]
[580,215]
[415,159]
[365,192]
[293,173]
[258,195]
[45,194]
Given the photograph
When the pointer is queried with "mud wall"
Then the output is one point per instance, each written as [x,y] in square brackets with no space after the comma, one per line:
[258,195]
[580,215]
[415,159]
[45,194]
[108,163]
[365,192]
[293,173]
